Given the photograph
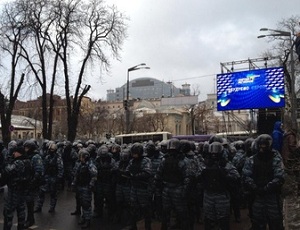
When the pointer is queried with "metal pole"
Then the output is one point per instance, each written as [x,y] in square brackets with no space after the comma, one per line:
[127,106]
[293,99]
[127,101]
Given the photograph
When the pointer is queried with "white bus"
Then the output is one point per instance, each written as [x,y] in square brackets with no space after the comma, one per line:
[141,137]
[237,135]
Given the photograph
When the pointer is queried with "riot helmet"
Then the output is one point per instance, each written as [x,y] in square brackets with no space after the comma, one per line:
[205,152]
[68,145]
[215,150]
[137,150]
[12,144]
[239,145]
[84,155]
[116,148]
[102,151]
[264,142]
[173,144]
[150,149]
[185,146]
[30,146]
[248,143]
[215,138]
[163,146]
[125,155]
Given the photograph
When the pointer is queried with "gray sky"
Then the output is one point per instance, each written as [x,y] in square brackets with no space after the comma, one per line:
[184,41]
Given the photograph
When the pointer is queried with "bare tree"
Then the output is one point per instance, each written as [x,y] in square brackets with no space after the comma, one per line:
[12,33]
[64,37]
[284,49]
[88,30]
[39,20]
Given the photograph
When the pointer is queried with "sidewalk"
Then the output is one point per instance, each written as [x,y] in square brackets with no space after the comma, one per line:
[291,203]
[292,212]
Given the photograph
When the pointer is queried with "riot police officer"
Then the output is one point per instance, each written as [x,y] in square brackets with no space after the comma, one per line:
[54,170]
[36,179]
[156,158]
[139,169]
[217,176]
[84,181]
[105,184]
[263,175]
[122,184]
[17,175]
[173,179]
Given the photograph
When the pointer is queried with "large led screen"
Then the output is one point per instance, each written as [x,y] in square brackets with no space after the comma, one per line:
[253,89]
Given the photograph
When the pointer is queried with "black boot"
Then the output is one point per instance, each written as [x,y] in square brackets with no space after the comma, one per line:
[21,227]
[30,216]
[37,210]
[82,221]
[76,212]
[29,223]
[86,225]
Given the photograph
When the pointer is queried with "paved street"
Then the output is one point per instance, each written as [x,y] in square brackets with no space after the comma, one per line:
[62,220]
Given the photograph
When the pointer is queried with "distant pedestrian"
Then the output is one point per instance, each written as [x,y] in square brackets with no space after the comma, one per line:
[277,136]
[289,141]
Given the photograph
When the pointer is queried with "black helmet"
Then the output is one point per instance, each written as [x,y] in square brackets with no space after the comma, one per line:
[248,143]
[116,148]
[264,141]
[185,146]
[239,145]
[68,145]
[12,144]
[91,148]
[18,147]
[102,151]
[125,155]
[30,144]
[137,148]
[163,146]
[205,152]
[215,138]
[84,154]
[150,149]
[215,150]
[173,144]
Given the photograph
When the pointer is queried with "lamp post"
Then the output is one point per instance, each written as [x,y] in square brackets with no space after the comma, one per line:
[126,102]
[280,33]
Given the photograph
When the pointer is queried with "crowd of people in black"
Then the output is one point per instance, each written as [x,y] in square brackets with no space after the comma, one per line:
[176,180]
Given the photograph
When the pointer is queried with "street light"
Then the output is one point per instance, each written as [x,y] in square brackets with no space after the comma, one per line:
[126,102]
[280,33]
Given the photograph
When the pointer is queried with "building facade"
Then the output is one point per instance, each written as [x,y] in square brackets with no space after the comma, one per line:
[147,88]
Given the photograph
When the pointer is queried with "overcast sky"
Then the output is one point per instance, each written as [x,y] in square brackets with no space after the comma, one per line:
[184,41]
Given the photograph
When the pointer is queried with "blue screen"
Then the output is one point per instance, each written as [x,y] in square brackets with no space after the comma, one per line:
[253,89]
